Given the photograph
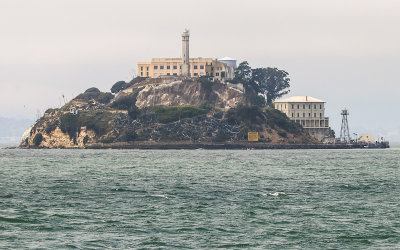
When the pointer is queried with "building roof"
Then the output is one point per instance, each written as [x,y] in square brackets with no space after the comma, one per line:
[226,59]
[300,99]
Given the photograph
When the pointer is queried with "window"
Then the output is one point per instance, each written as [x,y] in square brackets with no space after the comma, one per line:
[217,74]
[298,114]
[292,106]
[180,67]
[161,67]
[285,106]
[141,67]
[195,66]
[298,106]
[201,66]
[141,73]
[195,74]
[315,106]
[320,115]
[304,106]
[168,74]
[147,73]
[309,114]
[315,114]
[155,67]
[147,68]
[292,114]
[304,114]
[168,67]
[320,106]
[175,74]
[175,67]
[309,106]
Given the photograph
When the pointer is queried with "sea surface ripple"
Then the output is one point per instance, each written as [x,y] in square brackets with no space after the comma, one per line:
[200,199]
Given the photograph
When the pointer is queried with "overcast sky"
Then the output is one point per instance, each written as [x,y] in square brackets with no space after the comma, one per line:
[345,52]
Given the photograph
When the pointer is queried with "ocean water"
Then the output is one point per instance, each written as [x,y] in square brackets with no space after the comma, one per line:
[200,199]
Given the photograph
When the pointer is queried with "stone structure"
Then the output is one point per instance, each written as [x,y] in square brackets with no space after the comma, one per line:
[308,112]
[222,69]
[185,54]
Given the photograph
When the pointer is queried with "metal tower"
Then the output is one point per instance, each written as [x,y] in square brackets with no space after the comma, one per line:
[344,131]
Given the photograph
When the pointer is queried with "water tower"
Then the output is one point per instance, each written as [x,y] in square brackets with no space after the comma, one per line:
[344,131]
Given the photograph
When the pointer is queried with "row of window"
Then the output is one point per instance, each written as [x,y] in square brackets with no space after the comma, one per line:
[168,74]
[309,115]
[174,67]
[321,123]
[304,106]
[298,106]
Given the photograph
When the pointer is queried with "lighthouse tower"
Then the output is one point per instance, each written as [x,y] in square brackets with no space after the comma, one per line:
[185,53]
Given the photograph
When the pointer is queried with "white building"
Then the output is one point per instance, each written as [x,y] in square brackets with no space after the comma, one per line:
[309,112]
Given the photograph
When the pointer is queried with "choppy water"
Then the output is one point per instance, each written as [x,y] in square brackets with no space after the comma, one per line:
[200,199]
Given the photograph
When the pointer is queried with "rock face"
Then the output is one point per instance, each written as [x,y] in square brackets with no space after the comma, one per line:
[190,92]
[174,110]
[55,138]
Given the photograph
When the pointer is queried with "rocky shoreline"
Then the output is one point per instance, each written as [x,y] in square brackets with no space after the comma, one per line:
[226,145]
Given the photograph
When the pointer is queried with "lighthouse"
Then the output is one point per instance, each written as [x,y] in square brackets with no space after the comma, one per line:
[185,53]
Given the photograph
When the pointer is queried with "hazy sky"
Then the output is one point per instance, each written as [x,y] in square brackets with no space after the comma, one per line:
[346,52]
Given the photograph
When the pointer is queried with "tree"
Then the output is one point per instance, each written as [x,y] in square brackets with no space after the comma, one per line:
[118,86]
[92,90]
[271,83]
[243,73]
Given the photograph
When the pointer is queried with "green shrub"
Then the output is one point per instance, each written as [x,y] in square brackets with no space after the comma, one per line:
[129,135]
[51,127]
[95,94]
[92,90]
[126,102]
[282,134]
[104,97]
[167,114]
[133,112]
[118,86]
[279,119]
[38,139]
[69,123]
[245,114]
[221,136]
[96,121]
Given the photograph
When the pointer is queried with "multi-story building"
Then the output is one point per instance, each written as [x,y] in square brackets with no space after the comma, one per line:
[308,112]
[198,67]
[193,67]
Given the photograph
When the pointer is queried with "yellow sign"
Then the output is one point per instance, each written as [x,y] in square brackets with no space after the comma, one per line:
[252,136]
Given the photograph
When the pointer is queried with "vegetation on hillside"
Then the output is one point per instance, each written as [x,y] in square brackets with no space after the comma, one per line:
[166,114]
[263,85]
[95,94]
[98,121]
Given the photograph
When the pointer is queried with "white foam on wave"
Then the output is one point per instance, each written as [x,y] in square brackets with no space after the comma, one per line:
[160,195]
[277,194]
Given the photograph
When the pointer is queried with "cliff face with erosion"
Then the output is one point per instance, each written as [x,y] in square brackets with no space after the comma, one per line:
[189,92]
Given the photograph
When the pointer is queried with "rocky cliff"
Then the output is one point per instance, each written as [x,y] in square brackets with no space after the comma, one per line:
[161,111]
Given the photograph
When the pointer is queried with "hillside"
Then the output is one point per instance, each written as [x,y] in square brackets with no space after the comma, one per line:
[162,111]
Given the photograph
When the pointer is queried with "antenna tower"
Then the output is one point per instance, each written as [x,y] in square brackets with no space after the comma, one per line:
[344,131]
